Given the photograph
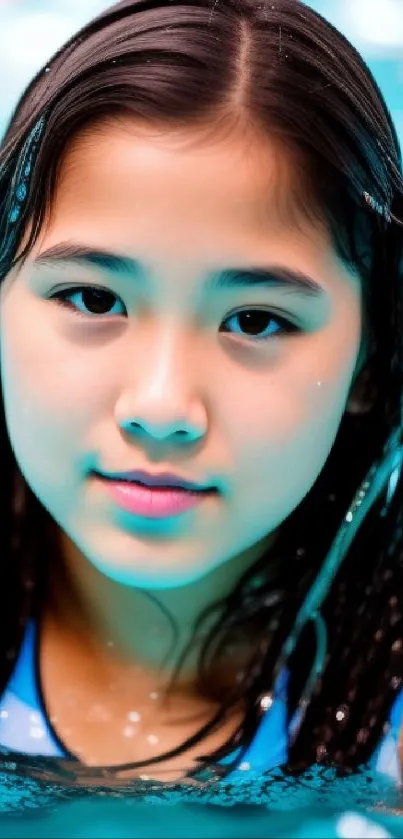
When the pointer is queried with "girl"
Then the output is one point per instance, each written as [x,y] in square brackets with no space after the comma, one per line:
[201,364]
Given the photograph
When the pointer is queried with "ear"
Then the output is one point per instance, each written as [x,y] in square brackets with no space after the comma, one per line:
[363,394]
[363,391]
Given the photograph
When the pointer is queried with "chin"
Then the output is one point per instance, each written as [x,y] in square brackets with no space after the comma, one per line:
[150,575]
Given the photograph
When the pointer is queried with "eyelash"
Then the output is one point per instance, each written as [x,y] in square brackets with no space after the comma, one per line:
[286,326]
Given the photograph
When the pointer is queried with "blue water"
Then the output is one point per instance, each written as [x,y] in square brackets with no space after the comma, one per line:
[115,820]
[363,805]
[127,819]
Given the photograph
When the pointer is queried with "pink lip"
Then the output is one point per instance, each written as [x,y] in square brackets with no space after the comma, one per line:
[153,502]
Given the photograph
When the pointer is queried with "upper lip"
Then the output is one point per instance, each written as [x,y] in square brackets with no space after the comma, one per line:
[163,479]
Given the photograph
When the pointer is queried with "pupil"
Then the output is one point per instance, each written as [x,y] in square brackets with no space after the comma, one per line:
[97,301]
[251,322]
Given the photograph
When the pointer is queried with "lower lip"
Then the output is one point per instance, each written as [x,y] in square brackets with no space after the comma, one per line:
[154,502]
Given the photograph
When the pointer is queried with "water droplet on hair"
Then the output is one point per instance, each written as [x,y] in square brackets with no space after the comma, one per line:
[362,735]
[14,215]
[21,192]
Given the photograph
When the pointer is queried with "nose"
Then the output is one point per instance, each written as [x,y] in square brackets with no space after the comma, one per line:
[162,399]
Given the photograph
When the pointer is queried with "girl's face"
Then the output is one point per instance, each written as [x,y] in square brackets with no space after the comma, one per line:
[227,333]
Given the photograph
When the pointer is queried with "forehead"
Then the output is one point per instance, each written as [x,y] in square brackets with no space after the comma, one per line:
[228,177]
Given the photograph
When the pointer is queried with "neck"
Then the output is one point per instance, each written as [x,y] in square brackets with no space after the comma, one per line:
[122,626]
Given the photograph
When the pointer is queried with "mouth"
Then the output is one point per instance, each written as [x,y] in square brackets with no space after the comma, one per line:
[163,480]
[154,496]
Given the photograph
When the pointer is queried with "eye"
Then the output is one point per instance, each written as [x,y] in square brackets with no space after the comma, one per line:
[90,301]
[258,324]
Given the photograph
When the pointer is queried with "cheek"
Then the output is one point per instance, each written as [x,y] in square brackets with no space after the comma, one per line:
[285,427]
[52,399]
[46,381]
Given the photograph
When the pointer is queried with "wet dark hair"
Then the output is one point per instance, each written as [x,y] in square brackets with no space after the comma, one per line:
[278,66]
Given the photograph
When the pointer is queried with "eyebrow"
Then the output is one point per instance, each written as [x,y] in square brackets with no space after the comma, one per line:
[280,276]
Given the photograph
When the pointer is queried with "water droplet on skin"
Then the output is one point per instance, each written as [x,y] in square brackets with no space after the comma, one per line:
[153,739]
[134,716]
[98,713]
[129,731]
[154,695]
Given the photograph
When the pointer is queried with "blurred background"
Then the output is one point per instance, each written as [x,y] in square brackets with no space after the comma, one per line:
[31,31]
